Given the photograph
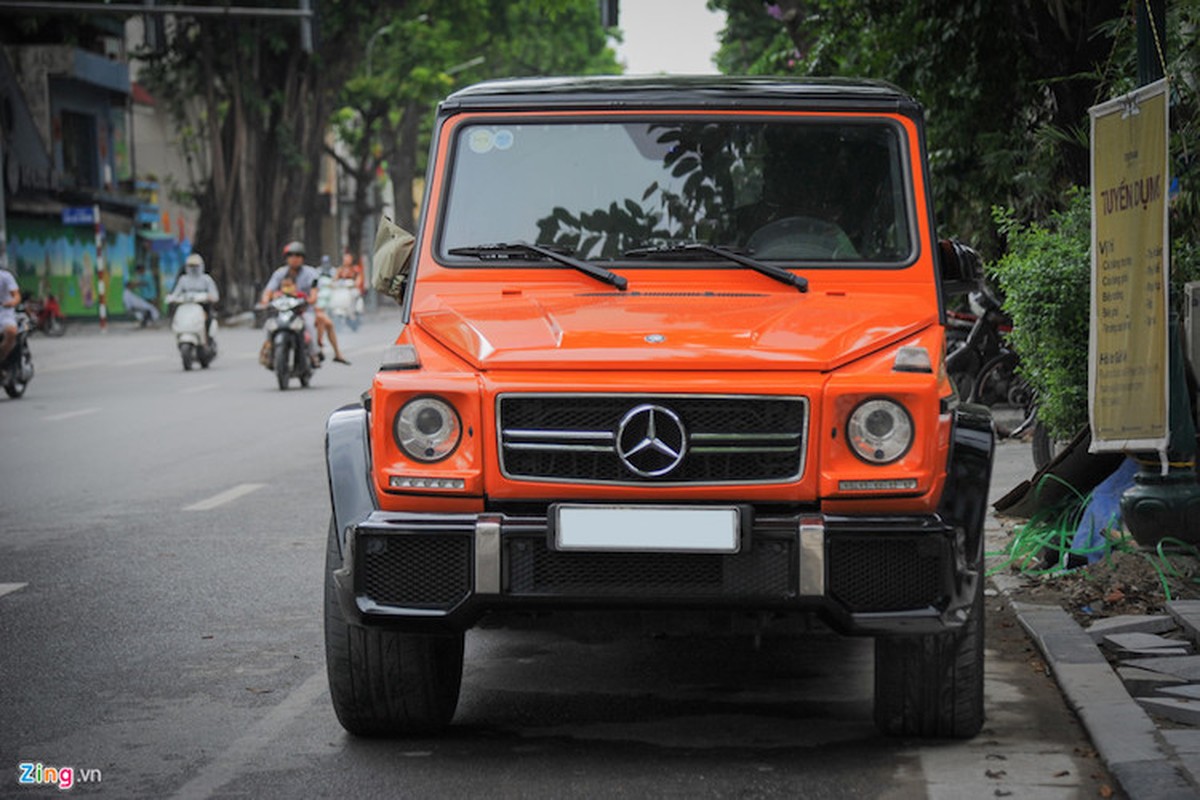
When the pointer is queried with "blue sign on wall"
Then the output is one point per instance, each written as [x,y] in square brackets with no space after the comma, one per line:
[79,215]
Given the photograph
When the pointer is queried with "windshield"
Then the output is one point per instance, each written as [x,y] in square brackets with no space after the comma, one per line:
[798,190]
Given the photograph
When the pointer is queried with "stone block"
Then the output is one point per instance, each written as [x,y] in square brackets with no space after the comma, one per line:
[1189,691]
[1130,623]
[1139,682]
[1187,614]
[1186,667]
[1150,644]
[1173,708]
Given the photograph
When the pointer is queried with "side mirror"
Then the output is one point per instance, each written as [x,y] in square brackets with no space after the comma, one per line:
[960,266]
[393,258]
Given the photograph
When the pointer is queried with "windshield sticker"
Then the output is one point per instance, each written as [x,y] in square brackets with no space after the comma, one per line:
[481,141]
[502,139]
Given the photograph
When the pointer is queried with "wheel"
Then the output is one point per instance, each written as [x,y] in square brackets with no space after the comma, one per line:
[305,379]
[932,686]
[1045,447]
[283,364]
[187,352]
[205,355]
[15,386]
[387,683]
[999,387]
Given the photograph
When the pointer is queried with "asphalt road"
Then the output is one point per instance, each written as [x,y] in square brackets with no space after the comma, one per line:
[161,545]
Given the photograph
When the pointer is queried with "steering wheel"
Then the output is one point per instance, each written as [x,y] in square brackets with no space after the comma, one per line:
[801,238]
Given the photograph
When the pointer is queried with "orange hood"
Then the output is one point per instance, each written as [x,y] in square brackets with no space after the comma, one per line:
[671,330]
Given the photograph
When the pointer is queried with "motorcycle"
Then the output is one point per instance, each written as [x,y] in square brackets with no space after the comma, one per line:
[344,303]
[188,325]
[46,316]
[288,352]
[17,369]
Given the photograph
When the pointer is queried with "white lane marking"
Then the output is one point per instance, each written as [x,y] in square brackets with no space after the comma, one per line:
[242,753]
[69,414]
[131,362]
[9,588]
[204,387]
[227,496]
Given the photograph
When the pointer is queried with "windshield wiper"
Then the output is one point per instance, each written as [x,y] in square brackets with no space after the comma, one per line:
[682,248]
[506,250]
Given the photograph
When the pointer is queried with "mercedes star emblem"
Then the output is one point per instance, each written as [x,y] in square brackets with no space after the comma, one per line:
[651,440]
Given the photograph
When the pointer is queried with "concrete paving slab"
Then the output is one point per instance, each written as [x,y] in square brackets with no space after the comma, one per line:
[1187,614]
[1146,642]
[1154,780]
[1185,742]
[1173,708]
[1130,623]
[1189,692]
[1140,682]
[1186,667]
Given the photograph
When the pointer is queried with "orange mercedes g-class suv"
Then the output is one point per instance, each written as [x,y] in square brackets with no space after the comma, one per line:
[668,344]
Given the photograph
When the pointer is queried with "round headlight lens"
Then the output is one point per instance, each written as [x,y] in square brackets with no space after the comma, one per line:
[879,431]
[428,429]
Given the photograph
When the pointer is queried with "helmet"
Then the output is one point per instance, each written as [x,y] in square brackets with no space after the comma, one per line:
[294,249]
[195,260]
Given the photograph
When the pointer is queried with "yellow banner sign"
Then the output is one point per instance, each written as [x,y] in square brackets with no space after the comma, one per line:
[1127,360]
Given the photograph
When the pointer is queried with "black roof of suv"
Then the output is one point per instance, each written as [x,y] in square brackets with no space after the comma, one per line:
[718,91]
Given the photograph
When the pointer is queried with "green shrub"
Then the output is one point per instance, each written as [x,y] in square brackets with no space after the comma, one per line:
[1045,279]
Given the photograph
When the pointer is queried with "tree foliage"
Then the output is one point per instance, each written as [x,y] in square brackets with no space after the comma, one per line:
[1006,85]
[384,113]
[253,109]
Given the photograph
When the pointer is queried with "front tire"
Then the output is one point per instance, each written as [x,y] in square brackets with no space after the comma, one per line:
[386,683]
[283,363]
[932,686]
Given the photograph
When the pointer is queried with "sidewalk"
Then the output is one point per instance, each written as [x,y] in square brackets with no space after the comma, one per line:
[1143,714]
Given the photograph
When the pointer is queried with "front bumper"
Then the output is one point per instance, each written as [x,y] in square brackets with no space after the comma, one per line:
[863,575]
[890,575]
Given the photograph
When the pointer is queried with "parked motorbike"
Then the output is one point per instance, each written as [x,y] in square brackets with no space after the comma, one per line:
[288,351]
[188,324]
[46,316]
[344,303]
[17,369]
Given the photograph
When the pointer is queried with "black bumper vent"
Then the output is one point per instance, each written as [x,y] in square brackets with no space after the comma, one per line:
[885,573]
[423,571]
[763,572]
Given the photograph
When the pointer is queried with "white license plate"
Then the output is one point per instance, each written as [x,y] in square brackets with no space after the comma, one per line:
[656,529]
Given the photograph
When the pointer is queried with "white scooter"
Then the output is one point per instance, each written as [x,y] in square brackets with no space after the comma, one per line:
[344,303]
[195,344]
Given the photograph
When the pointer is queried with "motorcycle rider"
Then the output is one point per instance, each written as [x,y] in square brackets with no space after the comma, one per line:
[306,279]
[10,298]
[195,279]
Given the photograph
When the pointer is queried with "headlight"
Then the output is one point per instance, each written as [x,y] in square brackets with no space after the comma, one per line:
[880,431]
[271,324]
[427,429]
[296,324]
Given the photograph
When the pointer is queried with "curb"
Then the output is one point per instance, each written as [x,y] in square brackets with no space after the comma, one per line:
[1135,751]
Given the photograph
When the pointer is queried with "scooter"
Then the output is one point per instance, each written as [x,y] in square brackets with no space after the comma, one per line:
[194,342]
[343,303]
[17,369]
[288,351]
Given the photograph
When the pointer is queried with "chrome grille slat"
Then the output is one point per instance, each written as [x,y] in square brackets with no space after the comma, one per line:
[572,438]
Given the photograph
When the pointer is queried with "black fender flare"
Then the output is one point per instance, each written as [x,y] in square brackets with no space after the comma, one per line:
[965,495]
[348,465]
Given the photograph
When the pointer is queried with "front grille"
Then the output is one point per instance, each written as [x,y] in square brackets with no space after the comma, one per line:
[724,439]
[414,570]
[887,573]
[763,572]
